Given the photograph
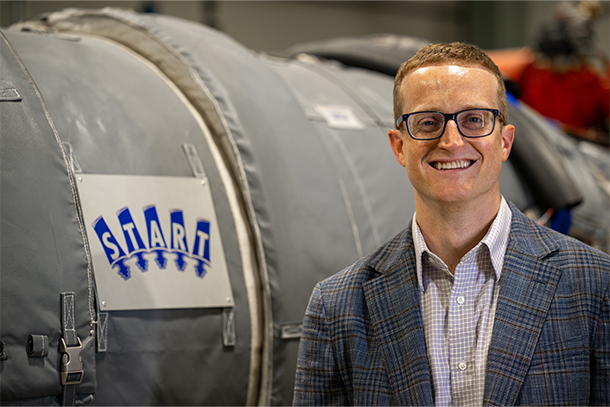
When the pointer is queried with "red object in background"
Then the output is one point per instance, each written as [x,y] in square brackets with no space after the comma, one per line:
[512,61]
[578,98]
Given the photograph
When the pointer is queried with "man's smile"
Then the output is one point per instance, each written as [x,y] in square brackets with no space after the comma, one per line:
[452,165]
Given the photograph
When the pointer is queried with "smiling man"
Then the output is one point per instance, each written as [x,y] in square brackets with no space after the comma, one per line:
[472,304]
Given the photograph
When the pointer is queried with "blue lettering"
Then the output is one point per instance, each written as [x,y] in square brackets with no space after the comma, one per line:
[201,247]
[135,245]
[156,240]
[115,254]
[179,245]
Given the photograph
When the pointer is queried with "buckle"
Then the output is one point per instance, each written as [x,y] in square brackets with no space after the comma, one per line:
[71,367]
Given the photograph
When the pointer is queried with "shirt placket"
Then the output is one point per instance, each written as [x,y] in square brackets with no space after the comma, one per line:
[462,334]
[436,299]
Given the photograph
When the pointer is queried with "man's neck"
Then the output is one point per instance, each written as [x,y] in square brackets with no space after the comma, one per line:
[452,230]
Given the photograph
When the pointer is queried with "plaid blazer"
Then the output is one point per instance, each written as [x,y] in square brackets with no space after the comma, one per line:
[363,340]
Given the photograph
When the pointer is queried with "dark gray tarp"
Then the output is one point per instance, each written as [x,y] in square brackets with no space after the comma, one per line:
[120,117]
[302,178]
[378,52]
[42,252]
[313,194]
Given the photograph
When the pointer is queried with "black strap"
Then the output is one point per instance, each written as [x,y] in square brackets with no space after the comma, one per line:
[38,346]
[70,347]
[68,323]
[68,395]
[102,332]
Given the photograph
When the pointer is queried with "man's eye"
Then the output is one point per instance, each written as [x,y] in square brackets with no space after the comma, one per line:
[473,121]
[428,123]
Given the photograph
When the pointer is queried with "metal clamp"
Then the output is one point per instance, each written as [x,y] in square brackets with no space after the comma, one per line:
[71,367]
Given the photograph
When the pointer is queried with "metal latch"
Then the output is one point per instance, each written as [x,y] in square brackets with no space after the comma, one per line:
[71,367]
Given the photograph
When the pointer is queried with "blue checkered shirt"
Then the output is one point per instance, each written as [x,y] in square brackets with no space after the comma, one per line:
[458,312]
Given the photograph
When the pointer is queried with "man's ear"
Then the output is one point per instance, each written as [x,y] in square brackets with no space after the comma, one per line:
[398,145]
[508,136]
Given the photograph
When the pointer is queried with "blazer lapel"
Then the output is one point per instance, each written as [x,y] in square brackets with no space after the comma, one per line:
[527,287]
[393,302]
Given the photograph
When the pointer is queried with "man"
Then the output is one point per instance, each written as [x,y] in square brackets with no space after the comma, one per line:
[472,303]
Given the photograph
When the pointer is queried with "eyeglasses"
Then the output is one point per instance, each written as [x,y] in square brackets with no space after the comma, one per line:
[472,123]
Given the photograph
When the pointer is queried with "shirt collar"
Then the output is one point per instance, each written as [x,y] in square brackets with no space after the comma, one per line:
[495,239]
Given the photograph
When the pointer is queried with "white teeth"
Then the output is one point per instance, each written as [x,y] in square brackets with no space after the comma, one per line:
[452,165]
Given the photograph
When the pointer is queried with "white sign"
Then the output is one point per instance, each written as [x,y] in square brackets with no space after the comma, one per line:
[155,242]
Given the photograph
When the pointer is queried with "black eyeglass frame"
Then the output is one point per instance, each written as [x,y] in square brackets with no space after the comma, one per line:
[448,116]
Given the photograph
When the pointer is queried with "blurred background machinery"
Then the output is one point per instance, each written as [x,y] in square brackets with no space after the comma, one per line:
[272,26]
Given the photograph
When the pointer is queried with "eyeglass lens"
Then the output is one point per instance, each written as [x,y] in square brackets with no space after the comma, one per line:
[473,123]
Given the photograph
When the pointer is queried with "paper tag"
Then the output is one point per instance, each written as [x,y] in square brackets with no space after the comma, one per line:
[339,117]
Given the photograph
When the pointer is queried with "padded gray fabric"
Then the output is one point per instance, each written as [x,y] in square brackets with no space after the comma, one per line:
[42,252]
[378,52]
[587,164]
[120,118]
[541,165]
[310,185]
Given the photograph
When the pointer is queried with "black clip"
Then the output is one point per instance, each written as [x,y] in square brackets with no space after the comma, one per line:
[2,352]
[71,363]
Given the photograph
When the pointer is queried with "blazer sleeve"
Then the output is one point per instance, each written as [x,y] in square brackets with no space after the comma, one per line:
[318,381]
[600,358]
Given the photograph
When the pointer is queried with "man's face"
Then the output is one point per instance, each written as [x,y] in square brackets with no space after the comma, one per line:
[450,89]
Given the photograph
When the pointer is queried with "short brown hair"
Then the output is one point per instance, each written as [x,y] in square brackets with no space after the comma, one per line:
[442,53]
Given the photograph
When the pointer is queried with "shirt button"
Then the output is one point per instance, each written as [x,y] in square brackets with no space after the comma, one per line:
[460,300]
[463,366]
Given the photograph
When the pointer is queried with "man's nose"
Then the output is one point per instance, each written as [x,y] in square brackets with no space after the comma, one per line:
[451,136]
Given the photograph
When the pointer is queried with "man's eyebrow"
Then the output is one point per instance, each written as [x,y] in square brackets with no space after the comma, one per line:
[478,106]
[466,107]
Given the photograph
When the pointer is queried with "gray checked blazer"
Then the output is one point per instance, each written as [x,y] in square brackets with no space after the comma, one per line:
[363,340]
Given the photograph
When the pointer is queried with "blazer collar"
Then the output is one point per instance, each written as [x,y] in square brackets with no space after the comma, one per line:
[525,237]
[530,238]
[527,287]
[392,298]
